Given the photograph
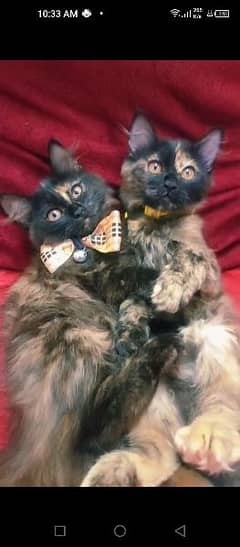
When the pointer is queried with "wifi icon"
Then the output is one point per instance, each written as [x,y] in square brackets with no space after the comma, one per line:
[175,12]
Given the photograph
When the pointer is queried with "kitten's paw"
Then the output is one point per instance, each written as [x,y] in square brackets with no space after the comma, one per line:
[209,445]
[133,311]
[158,353]
[129,339]
[132,330]
[114,469]
[167,295]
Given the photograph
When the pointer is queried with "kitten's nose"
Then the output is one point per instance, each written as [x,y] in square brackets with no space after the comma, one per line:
[170,183]
[78,211]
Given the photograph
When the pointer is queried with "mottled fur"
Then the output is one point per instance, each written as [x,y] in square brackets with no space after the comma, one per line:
[74,396]
[196,408]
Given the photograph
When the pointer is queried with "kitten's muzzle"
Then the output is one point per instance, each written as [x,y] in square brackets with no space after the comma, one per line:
[169,183]
[79,211]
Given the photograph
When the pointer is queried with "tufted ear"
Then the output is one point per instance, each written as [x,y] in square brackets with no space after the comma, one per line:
[209,147]
[61,159]
[112,201]
[17,208]
[141,134]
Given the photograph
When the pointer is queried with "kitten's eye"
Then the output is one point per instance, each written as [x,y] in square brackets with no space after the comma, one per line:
[76,191]
[188,173]
[154,167]
[54,214]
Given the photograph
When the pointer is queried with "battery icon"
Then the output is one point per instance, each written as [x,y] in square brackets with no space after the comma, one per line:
[223,13]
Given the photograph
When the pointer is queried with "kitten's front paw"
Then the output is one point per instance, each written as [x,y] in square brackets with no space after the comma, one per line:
[129,339]
[157,354]
[133,311]
[132,330]
[209,446]
[167,295]
[171,292]
[114,469]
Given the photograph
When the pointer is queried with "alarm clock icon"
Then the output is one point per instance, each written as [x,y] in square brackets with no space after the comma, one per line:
[86,13]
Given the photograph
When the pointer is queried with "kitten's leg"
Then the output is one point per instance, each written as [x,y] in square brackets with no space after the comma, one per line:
[151,458]
[212,441]
[124,396]
[187,273]
[149,462]
[143,466]
[132,328]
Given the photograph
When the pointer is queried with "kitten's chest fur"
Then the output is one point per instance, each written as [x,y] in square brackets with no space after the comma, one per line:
[151,242]
[152,237]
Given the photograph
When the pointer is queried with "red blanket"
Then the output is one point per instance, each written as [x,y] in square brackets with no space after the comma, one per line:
[82,103]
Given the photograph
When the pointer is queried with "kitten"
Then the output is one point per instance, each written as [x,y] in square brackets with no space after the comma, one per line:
[196,408]
[116,277]
[73,395]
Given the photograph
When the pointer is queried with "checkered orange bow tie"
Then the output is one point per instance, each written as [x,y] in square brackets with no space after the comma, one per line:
[106,238]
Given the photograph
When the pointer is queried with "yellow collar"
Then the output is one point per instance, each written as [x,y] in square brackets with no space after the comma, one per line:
[155,213]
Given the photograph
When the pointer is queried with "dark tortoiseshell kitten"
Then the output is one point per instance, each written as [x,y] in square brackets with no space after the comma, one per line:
[195,411]
[73,395]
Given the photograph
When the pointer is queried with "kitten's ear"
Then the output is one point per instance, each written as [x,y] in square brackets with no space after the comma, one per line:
[141,134]
[111,202]
[61,159]
[209,147]
[17,208]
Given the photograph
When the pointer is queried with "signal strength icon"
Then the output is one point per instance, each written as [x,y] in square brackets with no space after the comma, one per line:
[175,12]
[187,14]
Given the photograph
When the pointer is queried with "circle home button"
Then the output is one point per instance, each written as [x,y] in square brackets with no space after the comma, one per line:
[120,530]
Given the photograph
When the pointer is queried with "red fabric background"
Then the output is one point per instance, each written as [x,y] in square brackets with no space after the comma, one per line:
[82,103]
